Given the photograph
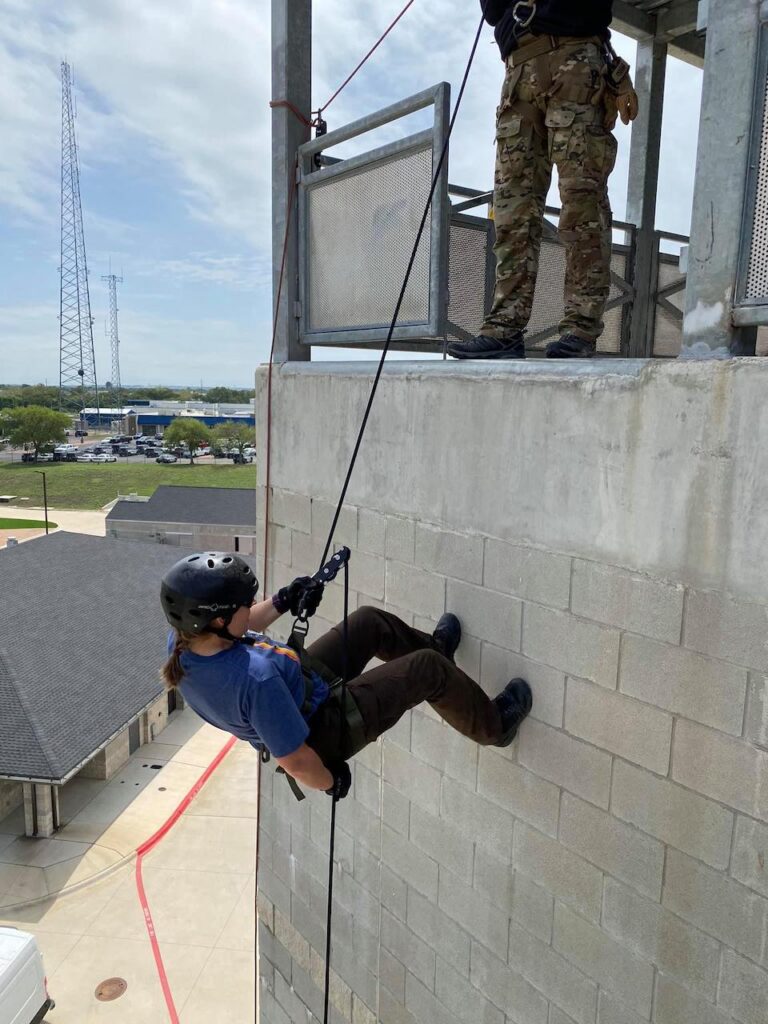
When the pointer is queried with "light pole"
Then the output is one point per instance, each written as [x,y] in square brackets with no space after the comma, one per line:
[45,497]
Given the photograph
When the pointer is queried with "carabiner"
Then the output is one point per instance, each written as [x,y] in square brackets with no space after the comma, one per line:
[524,22]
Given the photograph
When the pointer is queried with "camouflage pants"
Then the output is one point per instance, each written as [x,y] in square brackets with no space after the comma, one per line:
[551,112]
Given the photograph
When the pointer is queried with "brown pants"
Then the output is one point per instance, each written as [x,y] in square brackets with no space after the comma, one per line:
[413,672]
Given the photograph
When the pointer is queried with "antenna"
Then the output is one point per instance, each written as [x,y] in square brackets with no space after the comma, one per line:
[77,363]
[113,280]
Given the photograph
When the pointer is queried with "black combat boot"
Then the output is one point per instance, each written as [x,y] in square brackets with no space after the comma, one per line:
[447,635]
[514,702]
[482,347]
[570,346]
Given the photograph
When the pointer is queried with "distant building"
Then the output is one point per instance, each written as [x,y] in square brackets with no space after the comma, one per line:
[151,416]
[217,518]
[82,637]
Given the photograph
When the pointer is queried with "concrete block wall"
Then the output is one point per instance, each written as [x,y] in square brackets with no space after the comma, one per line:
[11,797]
[610,866]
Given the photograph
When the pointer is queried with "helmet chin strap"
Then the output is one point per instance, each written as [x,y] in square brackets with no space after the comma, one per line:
[223,631]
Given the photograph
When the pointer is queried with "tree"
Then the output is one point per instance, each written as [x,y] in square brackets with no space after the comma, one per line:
[236,395]
[38,427]
[186,430]
[233,435]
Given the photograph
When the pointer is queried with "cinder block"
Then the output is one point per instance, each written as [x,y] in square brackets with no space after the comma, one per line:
[506,988]
[576,646]
[628,600]
[750,855]
[725,628]
[679,680]
[391,1011]
[444,749]
[371,531]
[533,908]
[596,954]
[527,573]
[287,508]
[367,573]
[557,1016]
[715,904]
[477,819]
[367,788]
[400,543]
[612,1011]
[661,937]
[576,766]
[305,553]
[424,1005]
[744,989]
[757,710]
[519,792]
[484,921]
[280,544]
[459,555]
[486,615]
[465,1001]
[392,972]
[396,809]
[346,528]
[439,841]
[410,863]
[620,724]
[494,879]
[553,976]
[394,893]
[407,947]
[410,587]
[673,814]
[559,871]
[607,842]
[723,768]
[498,666]
[677,1005]
[361,1014]
[438,930]
[296,944]
[412,777]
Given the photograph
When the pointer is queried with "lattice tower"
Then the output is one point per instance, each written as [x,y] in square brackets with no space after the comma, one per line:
[114,341]
[77,363]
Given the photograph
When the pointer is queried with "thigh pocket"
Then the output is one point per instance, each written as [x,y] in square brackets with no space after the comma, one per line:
[513,142]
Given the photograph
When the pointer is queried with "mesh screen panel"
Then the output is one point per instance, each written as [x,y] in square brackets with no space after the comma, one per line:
[361,229]
[668,331]
[757,275]
[548,297]
[466,277]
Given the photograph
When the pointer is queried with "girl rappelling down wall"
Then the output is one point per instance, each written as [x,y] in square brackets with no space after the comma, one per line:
[289,702]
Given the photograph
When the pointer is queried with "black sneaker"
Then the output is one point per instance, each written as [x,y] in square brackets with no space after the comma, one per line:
[514,702]
[570,346]
[483,347]
[447,635]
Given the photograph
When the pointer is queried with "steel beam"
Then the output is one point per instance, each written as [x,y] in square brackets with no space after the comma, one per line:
[292,82]
[650,73]
[720,188]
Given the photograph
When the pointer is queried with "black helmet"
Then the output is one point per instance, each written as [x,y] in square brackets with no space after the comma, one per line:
[203,587]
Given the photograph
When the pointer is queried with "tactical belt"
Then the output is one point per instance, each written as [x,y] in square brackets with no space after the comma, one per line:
[536,46]
[354,727]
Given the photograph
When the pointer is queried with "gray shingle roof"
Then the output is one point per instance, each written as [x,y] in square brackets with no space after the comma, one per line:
[209,506]
[82,637]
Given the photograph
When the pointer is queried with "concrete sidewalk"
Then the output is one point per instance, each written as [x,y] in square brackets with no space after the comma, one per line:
[71,520]
[199,882]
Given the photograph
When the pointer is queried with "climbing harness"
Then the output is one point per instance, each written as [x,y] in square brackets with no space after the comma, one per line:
[342,688]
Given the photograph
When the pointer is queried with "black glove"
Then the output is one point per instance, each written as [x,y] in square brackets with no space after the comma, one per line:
[342,780]
[290,598]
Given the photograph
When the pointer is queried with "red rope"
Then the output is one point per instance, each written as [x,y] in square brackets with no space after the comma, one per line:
[372,50]
[294,110]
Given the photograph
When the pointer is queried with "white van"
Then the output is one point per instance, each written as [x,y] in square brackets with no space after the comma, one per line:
[24,995]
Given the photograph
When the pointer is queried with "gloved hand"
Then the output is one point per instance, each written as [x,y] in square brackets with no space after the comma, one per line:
[342,780]
[301,595]
[620,96]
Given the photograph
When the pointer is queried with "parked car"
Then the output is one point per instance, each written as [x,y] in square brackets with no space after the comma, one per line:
[238,458]
[85,457]
[66,448]
[24,997]
[81,433]
[166,457]
[103,457]
[42,457]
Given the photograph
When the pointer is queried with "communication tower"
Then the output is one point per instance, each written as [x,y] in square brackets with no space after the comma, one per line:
[114,340]
[77,364]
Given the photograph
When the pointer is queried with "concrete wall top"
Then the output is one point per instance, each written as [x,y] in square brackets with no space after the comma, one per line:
[657,466]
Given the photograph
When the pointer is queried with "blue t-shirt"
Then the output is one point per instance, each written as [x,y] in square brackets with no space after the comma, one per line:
[255,693]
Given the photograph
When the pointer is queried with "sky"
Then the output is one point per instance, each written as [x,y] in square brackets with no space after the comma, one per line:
[173,128]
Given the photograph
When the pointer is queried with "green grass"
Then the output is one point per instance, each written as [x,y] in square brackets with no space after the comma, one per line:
[25,524]
[93,485]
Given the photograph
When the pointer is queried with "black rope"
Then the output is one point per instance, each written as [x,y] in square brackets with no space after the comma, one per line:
[353,460]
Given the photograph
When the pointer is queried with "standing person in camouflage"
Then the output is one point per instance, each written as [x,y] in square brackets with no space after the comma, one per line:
[563,90]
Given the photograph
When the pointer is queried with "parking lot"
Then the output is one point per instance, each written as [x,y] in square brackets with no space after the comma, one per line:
[100,449]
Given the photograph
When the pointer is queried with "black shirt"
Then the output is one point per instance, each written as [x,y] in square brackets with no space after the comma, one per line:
[553,17]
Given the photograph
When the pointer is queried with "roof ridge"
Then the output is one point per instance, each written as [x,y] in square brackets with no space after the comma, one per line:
[32,721]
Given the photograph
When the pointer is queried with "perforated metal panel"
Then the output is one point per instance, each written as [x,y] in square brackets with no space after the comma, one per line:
[757,273]
[668,329]
[361,229]
[470,239]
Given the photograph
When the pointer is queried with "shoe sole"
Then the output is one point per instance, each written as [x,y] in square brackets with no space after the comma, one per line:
[484,355]
[509,736]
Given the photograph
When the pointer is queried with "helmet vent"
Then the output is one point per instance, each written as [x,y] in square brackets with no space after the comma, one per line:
[227,559]
[211,564]
[193,558]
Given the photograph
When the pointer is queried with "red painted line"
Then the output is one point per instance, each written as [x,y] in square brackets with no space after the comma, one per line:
[150,844]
